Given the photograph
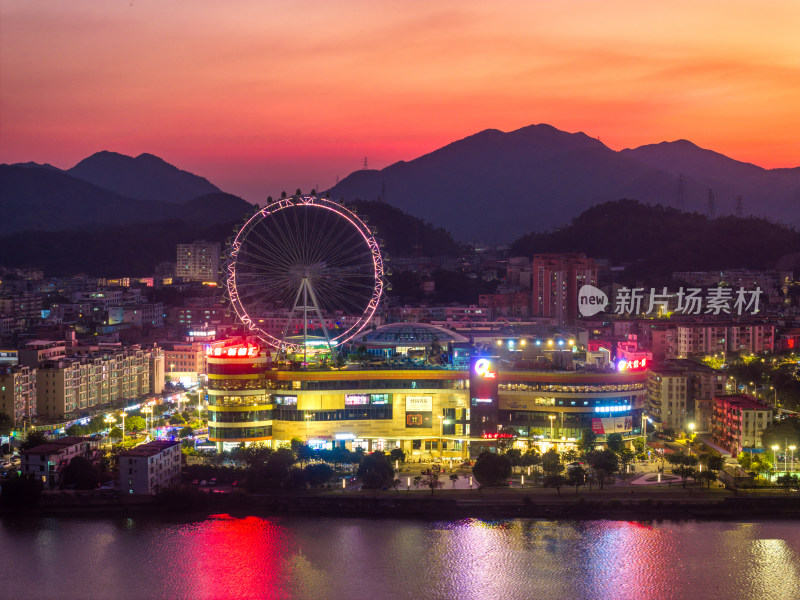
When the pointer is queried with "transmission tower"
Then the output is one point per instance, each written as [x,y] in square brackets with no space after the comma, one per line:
[680,203]
[739,207]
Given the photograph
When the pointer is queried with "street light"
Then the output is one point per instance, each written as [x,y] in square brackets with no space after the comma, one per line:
[147,410]
[123,425]
[441,435]
[792,448]
[552,427]
[775,449]
[110,420]
[308,424]
[644,432]
[691,432]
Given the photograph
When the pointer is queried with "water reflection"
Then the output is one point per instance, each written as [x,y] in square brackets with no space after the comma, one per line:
[312,558]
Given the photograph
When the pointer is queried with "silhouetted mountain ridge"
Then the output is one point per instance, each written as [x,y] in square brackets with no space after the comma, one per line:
[495,186]
[146,177]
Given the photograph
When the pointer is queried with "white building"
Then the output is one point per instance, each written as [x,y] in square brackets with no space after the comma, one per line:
[666,398]
[149,468]
[198,261]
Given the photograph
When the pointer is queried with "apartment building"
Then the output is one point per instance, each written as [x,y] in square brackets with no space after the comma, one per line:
[71,385]
[556,279]
[739,421]
[49,460]
[18,393]
[198,261]
[667,398]
[149,468]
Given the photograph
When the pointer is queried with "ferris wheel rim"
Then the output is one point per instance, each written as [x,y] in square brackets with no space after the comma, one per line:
[371,243]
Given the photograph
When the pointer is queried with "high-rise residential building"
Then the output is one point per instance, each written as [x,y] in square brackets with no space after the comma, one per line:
[716,338]
[68,386]
[739,421]
[18,393]
[666,398]
[184,363]
[198,261]
[703,384]
[556,280]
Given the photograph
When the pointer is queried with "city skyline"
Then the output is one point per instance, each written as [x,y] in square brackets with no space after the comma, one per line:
[271,97]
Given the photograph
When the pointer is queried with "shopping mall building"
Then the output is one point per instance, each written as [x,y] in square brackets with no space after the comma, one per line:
[439,411]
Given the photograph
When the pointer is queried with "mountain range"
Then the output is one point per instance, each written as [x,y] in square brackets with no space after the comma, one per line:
[495,186]
[490,187]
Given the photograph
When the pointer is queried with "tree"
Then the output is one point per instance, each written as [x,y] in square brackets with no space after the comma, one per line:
[531,458]
[551,463]
[80,473]
[453,479]
[135,423]
[788,481]
[615,442]
[397,454]
[491,469]
[571,455]
[626,456]
[319,474]
[97,424]
[5,424]
[115,433]
[417,481]
[76,429]
[33,439]
[375,471]
[185,432]
[638,445]
[555,481]
[683,465]
[432,481]
[588,439]
[604,462]
[177,419]
[504,443]
[576,476]
[708,476]
[745,458]
[514,455]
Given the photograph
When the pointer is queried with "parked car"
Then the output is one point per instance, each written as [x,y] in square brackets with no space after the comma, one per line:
[195,482]
[212,481]
[204,482]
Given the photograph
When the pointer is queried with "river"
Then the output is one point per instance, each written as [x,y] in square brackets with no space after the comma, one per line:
[324,558]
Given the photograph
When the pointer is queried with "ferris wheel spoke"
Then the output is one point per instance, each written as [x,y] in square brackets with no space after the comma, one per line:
[282,247]
[352,250]
[263,267]
[330,243]
[271,250]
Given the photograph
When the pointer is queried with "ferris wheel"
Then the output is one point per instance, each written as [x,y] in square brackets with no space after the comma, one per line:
[302,265]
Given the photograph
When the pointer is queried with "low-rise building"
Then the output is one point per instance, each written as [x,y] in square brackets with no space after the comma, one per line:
[149,468]
[48,461]
[739,421]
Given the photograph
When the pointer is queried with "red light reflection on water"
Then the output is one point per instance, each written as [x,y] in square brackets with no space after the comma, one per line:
[235,558]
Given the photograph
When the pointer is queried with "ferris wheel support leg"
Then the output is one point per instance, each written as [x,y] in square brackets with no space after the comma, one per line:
[319,316]
[291,313]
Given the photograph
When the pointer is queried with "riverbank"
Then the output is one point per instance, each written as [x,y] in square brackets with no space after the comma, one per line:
[492,503]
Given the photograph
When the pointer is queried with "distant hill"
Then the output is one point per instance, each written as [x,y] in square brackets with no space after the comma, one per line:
[402,232]
[43,198]
[495,186]
[656,241]
[97,250]
[145,177]
[46,199]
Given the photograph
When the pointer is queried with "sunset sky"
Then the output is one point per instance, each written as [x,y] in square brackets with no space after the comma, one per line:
[260,96]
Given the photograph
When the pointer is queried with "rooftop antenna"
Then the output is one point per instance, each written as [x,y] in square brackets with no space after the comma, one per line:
[365,163]
[711,204]
[739,207]
[680,204]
